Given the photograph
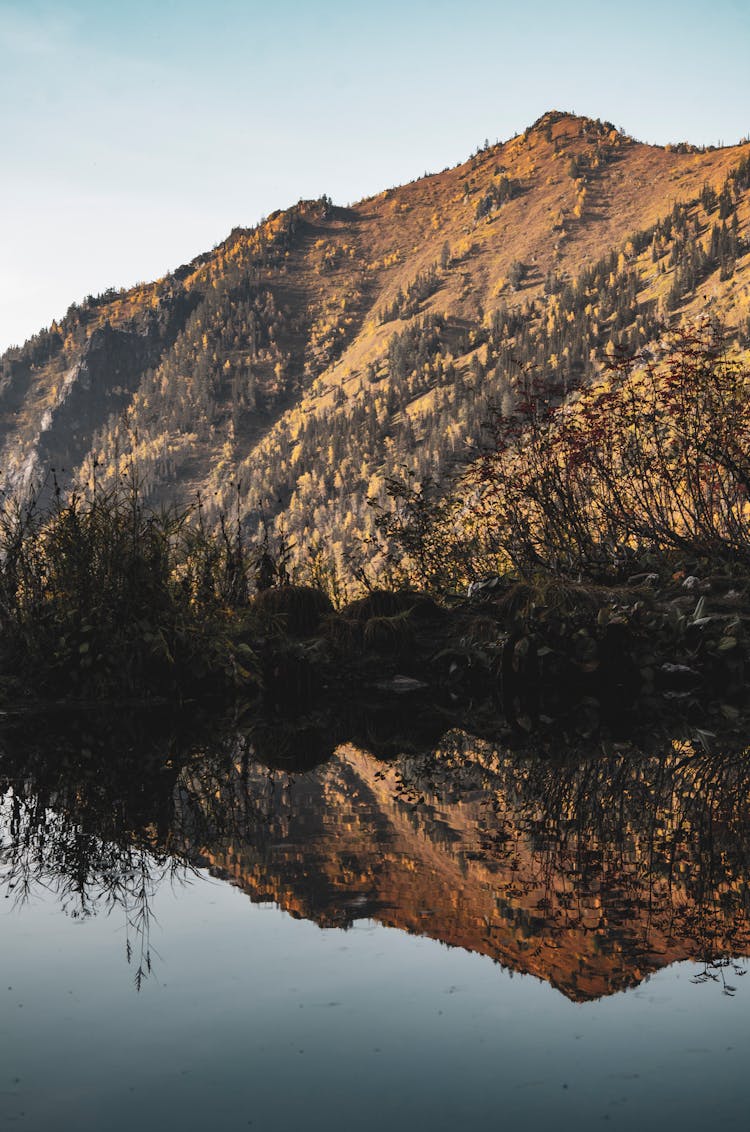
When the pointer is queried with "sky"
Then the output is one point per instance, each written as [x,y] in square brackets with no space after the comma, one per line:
[136,134]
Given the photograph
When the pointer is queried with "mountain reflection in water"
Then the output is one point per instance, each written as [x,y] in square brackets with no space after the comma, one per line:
[590,872]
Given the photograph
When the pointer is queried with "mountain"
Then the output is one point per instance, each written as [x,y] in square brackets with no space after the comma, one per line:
[287,373]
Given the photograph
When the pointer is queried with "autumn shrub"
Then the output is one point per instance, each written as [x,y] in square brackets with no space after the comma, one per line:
[651,462]
[418,536]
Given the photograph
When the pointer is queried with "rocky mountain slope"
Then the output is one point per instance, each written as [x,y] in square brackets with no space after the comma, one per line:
[290,371]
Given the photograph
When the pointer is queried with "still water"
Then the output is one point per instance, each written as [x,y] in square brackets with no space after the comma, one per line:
[463,937]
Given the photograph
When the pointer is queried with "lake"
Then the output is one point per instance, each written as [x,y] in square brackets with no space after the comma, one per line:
[195,934]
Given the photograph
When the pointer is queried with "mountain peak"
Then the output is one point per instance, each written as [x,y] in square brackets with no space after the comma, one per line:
[568,121]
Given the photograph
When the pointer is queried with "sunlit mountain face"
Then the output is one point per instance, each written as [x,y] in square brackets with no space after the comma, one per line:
[289,372]
[591,870]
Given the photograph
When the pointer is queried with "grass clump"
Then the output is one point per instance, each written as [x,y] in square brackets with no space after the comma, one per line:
[103,597]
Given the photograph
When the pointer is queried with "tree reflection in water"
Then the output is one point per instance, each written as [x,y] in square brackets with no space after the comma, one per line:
[590,870]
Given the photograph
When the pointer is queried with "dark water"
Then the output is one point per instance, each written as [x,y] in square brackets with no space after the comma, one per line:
[463,936]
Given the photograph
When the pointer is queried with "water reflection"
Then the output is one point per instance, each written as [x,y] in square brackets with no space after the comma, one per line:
[589,871]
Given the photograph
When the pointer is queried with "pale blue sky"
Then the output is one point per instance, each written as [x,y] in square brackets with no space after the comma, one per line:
[135,135]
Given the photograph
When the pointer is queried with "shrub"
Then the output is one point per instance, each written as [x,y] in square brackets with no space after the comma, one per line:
[102,596]
[653,459]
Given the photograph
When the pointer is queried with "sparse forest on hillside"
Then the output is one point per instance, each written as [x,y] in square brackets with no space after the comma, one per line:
[533,366]
[305,363]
